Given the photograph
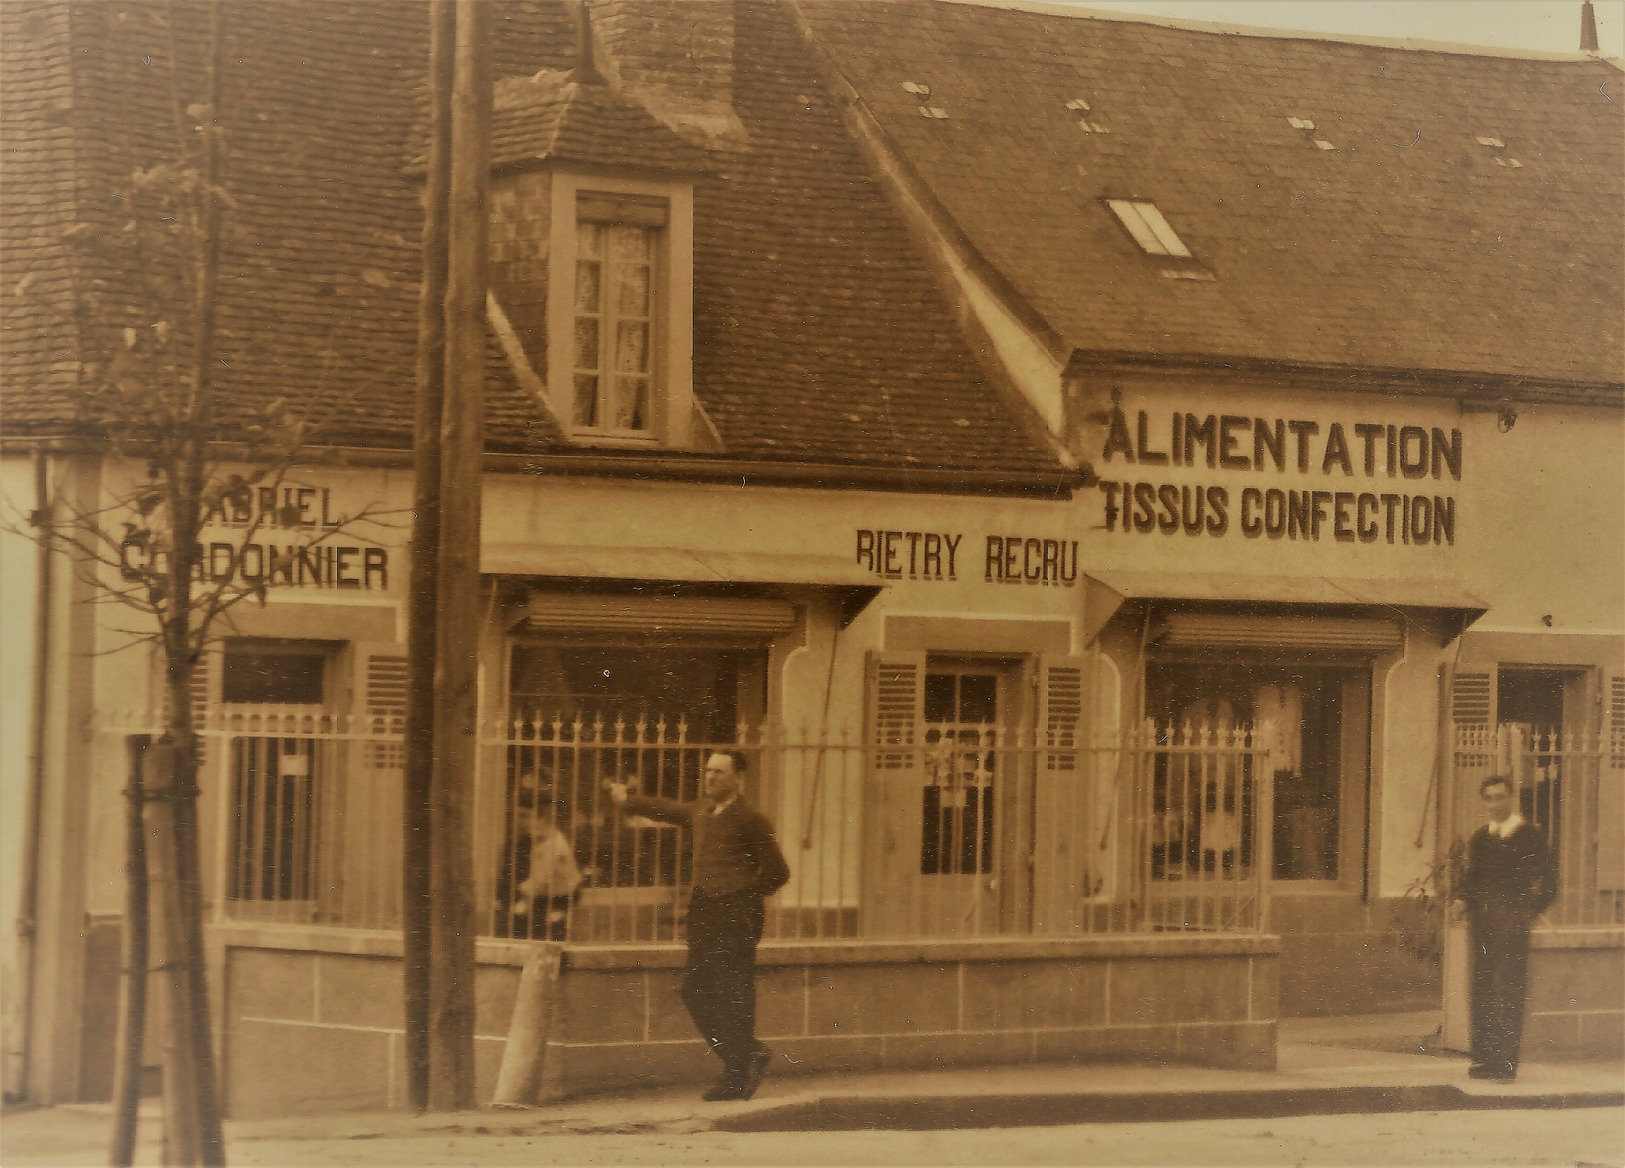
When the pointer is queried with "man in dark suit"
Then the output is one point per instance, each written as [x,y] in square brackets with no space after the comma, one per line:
[1509,881]
[737,865]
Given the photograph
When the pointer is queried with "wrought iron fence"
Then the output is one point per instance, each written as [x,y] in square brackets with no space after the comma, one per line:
[961,830]
[1571,785]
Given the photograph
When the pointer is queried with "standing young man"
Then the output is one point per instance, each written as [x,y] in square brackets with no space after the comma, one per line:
[1510,880]
[737,865]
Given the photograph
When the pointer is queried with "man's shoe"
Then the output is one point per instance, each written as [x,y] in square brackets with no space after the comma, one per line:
[1492,1074]
[754,1071]
[727,1087]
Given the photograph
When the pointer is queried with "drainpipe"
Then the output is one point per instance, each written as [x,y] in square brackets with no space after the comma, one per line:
[40,520]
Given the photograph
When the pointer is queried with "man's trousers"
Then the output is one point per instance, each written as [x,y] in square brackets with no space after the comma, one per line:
[1500,967]
[719,984]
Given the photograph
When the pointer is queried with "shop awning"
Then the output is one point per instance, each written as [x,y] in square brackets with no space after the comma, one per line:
[1106,592]
[671,565]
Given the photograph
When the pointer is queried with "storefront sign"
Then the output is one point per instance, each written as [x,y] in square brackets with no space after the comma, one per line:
[290,536]
[931,555]
[1355,504]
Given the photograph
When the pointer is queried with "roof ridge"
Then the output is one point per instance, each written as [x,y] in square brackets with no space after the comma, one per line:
[1224,28]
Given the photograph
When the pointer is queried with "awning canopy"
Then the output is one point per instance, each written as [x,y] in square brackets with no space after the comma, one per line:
[670,565]
[1107,592]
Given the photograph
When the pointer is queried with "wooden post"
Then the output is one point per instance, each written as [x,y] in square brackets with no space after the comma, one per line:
[423,597]
[453,917]
[132,1016]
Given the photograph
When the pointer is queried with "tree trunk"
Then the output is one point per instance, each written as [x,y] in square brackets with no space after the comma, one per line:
[132,1017]
[418,821]
[191,1116]
[453,920]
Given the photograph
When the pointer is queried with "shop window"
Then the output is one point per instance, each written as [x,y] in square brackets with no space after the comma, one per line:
[1314,723]
[583,715]
[276,782]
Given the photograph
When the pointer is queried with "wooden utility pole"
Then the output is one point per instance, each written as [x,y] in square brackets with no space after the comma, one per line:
[423,601]
[462,447]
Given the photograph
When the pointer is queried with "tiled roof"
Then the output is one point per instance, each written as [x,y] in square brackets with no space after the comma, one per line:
[543,118]
[1446,211]
[819,334]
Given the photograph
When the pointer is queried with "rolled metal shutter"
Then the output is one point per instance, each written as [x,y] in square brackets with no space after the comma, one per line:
[558,612]
[1325,634]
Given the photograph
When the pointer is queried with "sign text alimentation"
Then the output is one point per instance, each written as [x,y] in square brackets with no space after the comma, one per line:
[1373,474]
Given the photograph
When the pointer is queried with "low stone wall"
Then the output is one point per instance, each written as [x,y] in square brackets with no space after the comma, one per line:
[1576,994]
[865,1007]
[312,1018]
[1343,955]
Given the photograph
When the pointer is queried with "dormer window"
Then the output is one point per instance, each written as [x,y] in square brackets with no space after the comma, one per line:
[620,326]
[617,255]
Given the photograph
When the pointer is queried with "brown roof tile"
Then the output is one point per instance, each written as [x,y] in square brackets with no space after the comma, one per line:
[1407,245]
[546,118]
[819,333]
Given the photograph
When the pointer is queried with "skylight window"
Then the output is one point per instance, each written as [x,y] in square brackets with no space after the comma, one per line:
[1149,229]
[1495,142]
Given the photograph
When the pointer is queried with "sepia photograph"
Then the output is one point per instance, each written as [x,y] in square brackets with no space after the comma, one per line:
[812,582]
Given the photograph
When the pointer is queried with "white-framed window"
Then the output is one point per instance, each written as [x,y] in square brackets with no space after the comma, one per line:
[615,327]
[620,309]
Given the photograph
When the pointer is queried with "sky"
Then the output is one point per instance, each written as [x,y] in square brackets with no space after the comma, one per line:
[1544,25]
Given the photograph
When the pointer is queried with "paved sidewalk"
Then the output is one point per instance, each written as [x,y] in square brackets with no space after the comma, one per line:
[1329,1066]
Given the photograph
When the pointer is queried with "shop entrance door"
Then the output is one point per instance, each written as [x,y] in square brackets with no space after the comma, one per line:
[961,812]
[949,816]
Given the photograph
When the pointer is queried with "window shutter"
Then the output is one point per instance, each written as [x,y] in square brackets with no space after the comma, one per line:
[1611,797]
[1472,696]
[360,859]
[378,703]
[893,811]
[205,688]
[1061,800]
[1471,748]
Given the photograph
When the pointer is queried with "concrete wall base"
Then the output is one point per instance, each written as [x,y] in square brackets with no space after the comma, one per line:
[1576,994]
[313,1019]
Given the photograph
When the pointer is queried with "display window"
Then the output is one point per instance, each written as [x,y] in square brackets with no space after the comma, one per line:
[276,782]
[582,715]
[1312,720]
